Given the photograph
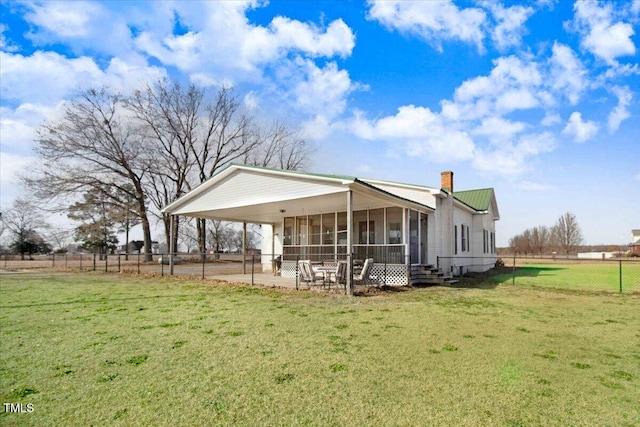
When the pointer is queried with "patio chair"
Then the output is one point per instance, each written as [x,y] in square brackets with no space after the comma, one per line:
[364,277]
[340,275]
[307,274]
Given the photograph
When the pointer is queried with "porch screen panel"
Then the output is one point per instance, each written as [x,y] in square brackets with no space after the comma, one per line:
[314,229]
[361,226]
[287,238]
[328,229]
[342,228]
[414,248]
[394,226]
[302,232]
[376,226]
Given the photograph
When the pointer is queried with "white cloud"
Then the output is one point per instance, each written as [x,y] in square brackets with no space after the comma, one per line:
[568,76]
[47,77]
[10,166]
[499,129]
[512,85]
[535,186]
[63,19]
[417,131]
[18,127]
[240,48]
[602,36]
[551,119]
[621,111]
[433,21]
[580,130]
[513,158]
[510,24]
[321,90]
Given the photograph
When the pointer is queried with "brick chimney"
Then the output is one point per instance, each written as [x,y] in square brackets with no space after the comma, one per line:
[446,181]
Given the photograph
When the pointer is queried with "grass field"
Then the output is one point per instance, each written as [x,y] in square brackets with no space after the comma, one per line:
[585,275]
[95,349]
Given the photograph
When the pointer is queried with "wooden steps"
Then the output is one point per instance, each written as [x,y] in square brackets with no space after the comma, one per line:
[429,275]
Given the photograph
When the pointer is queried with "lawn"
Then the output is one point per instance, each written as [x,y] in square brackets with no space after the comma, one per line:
[594,275]
[106,349]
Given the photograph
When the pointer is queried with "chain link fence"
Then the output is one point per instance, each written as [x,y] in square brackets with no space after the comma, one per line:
[616,275]
[611,274]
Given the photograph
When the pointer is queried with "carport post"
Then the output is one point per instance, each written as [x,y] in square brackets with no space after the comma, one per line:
[172,249]
[350,242]
[244,248]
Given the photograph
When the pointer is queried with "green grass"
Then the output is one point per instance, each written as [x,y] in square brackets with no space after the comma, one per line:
[95,349]
[596,276]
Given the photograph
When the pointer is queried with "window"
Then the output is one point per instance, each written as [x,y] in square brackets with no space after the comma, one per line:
[455,240]
[485,241]
[463,236]
[468,239]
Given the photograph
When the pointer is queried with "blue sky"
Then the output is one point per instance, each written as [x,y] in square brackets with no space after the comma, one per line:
[539,100]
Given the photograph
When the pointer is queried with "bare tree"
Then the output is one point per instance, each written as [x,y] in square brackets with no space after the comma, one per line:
[94,147]
[24,220]
[169,117]
[566,233]
[279,146]
[193,139]
[540,238]
[61,238]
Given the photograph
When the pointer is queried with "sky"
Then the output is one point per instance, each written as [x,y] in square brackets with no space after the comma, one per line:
[539,100]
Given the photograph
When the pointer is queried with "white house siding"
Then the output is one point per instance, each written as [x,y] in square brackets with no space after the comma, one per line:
[444,233]
[432,254]
[271,245]
[463,259]
[249,188]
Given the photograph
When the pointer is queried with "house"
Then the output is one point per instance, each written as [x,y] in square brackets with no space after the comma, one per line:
[403,227]
[634,246]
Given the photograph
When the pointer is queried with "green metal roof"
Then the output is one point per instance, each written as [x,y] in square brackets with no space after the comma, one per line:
[477,199]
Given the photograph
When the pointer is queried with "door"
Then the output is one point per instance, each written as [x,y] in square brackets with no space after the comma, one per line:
[423,238]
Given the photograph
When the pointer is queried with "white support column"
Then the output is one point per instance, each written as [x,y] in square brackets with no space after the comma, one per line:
[244,248]
[172,239]
[349,242]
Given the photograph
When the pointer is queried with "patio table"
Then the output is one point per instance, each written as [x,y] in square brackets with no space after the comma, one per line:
[327,272]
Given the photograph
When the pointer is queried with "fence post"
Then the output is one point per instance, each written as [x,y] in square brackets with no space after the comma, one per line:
[620,261]
[253,263]
[94,261]
[297,264]
[161,265]
[119,264]
[138,261]
[513,278]
[106,262]
[204,256]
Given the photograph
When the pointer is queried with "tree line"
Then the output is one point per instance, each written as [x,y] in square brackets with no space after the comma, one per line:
[565,236]
[113,160]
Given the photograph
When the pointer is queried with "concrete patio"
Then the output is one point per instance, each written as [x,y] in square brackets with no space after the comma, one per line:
[269,280]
